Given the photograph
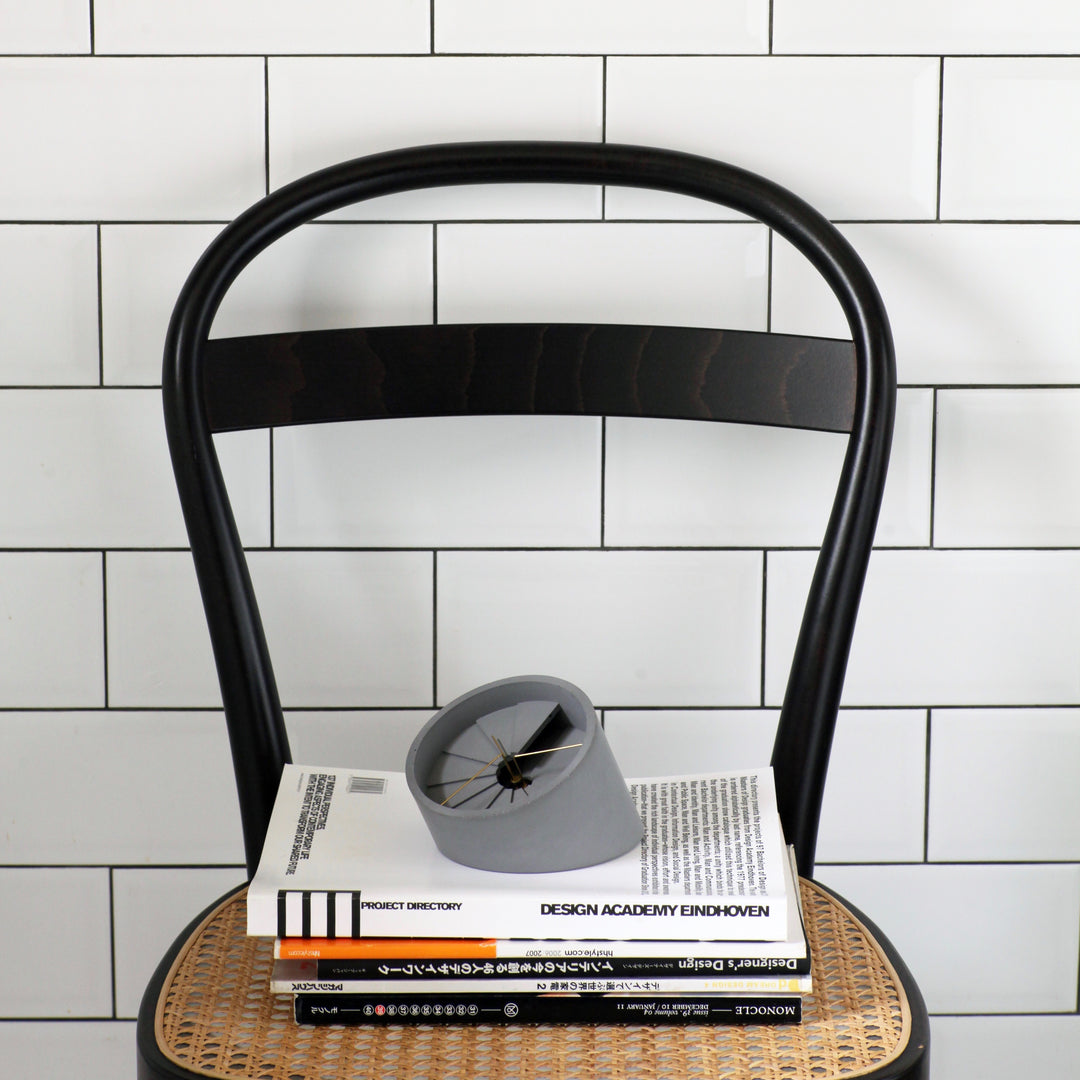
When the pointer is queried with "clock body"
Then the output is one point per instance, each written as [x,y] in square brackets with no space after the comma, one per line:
[517,776]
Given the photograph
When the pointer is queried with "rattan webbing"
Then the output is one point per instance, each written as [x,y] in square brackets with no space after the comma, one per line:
[217,1018]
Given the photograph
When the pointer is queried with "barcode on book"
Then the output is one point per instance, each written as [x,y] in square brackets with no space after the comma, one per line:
[314,913]
[366,785]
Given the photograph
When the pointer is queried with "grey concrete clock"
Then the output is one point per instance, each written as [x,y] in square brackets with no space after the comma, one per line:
[517,776]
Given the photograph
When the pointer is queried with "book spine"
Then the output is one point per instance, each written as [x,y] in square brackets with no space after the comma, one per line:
[473,988]
[546,1009]
[291,913]
[752,956]
[587,967]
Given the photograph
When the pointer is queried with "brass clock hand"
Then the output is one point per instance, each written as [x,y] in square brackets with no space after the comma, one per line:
[549,750]
[466,783]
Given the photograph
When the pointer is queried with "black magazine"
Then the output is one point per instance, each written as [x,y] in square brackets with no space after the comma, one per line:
[548,1009]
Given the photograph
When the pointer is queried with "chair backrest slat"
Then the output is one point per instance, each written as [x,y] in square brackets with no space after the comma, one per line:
[273,380]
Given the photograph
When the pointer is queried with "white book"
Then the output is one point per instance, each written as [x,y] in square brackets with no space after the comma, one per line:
[789,955]
[302,977]
[347,854]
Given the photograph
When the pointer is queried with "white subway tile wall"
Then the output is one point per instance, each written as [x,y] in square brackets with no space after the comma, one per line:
[320,277]
[925,26]
[94,1049]
[263,26]
[635,627]
[329,109]
[1004,1047]
[49,268]
[1037,820]
[1002,154]
[1009,468]
[969,304]
[955,627]
[671,484]
[131,138]
[676,274]
[50,26]
[126,804]
[56,919]
[856,137]
[661,567]
[440,482]
[602,26]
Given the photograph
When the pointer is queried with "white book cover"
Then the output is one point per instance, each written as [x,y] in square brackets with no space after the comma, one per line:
[301,977]
[788,954]
[347,854]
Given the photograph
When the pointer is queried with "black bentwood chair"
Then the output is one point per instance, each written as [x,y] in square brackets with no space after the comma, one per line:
[207,1012]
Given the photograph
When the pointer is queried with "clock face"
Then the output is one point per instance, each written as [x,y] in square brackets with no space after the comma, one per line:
[516,776]
[511,753]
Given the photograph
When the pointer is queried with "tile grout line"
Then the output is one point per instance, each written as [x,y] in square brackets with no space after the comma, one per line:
[933,467]
[271,451]
[105,629]
[266,124]
[940,135]
[603,129]
[769,240]
[603,481]
[764,601]
[112,940]
[100,311]
[435,273]
[435,629]
[926,787]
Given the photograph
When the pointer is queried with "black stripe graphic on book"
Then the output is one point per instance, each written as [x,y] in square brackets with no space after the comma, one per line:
[307,907]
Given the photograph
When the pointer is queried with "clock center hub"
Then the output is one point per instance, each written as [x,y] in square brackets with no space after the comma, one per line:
[509,774]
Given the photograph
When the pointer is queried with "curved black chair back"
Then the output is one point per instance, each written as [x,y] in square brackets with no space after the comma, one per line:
[220,385]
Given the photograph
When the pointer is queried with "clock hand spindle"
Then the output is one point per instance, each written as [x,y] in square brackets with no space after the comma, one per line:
[510,761]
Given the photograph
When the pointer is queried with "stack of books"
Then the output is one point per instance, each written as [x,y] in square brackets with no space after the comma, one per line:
[372,925]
